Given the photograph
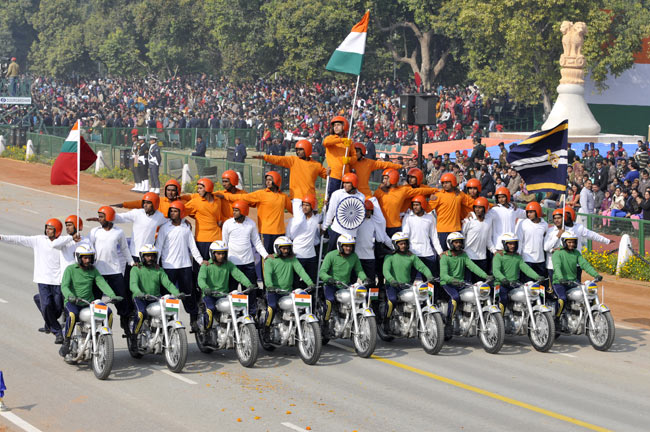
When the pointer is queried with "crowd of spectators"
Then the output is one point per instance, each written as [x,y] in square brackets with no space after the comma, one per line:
[283,111]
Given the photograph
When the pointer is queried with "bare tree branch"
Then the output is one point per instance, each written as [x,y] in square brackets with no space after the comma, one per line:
[405,24]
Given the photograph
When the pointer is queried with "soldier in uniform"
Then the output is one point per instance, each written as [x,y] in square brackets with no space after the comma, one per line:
[143,164]
[154,159]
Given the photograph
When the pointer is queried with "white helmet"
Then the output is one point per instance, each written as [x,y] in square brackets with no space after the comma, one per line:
[148,249]
[84,250]
[508,238]
[568,235]
[398,237]
[345,239]
[453,237]
[218,246]
[282,241]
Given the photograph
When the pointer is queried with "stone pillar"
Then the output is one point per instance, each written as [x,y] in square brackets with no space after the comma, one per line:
[570,103]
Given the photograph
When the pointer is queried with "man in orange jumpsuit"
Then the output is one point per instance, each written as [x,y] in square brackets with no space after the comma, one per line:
[206,210]
[302,176]
[271,204]
[451,206]
[229,181]
[391,198]
[172,193]
[339,153]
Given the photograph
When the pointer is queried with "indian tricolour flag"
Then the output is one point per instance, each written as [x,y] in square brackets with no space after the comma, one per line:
[239,300]
[172,305]
[100,310]
[624,108]
[66,166]
[348,57]
[302,300]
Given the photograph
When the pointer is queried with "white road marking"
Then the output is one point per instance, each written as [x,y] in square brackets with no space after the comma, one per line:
[177,376]
[3,301]
[30,210]
[49,193]
[293,426]
[567,355]
[624,327]
[19,422]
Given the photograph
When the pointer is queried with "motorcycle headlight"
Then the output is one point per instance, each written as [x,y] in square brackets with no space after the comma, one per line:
[534,290]
[361,292]
[484,290]
[423,291]
[592,288]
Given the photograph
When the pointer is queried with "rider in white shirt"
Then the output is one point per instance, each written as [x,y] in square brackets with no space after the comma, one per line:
[423,236]
[477,229]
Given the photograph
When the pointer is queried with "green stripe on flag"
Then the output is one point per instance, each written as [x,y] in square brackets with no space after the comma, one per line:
[346,62]
[69,147]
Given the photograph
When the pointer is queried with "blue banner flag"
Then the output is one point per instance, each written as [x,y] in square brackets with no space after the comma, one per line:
[541,159]
[2,386]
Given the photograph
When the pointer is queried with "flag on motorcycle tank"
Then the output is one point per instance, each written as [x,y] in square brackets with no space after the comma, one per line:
[541,159]
[66,166]
[239,300]
[348,57]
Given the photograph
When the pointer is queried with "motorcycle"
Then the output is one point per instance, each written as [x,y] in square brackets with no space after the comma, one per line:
[477,314]
[414,316]
[352,318]
[92,338]
[232,327]
[526,313]
[294,323]
[161,332]
[584,313]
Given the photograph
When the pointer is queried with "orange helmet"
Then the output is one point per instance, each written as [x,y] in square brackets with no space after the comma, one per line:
[502,191]
[178,204]
[570,212]
[417,173]
[449,177]
[474,183]
[340,119]
[481,202]
[275,176]
[173,182]
[231,176]
[392,174]
[369,205]
[305,145]
[311,199]
[419,198]
[73,220]
[207,184]
[242,206]
[350,178]
[56,224]
[153,198]
[557,212]
[360,147]
[534,206]
[109,212]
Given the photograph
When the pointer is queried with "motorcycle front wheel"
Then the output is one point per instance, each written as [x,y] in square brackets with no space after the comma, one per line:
[176,352]
[201,335]
[103,360]
[365,340]
[310,347]
[602,334]
[542,339]
[434,336]
[494,335]
[247,347]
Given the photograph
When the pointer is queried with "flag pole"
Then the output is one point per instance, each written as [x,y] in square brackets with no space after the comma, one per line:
[354,105]
[563,209]
[78,172]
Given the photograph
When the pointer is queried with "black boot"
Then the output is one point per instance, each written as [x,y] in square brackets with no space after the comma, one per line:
[58,340]
[45,329]
[65,348]
[193,325]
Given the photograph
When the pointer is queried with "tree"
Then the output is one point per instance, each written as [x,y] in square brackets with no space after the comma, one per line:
[119,53]
[238,29]
[514,48]
[419,34]
[59,47]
